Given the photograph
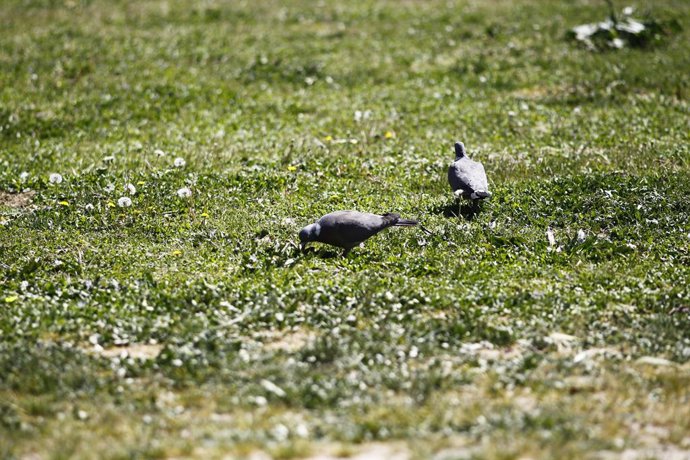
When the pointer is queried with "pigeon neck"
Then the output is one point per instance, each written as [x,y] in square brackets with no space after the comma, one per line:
[314,230]
[459,150]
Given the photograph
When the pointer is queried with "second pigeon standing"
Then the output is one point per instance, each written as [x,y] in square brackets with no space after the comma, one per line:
[467,177]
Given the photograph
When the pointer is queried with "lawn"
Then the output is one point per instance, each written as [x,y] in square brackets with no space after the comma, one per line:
[158,158]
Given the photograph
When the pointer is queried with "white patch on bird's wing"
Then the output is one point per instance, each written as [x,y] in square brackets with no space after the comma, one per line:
[317,229]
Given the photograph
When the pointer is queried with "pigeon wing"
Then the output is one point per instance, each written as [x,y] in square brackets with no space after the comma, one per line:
[349,228]
[467,175]
[459,176]
[478,180]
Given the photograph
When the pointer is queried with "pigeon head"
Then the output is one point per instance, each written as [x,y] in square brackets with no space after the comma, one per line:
[459,150]
[308,234]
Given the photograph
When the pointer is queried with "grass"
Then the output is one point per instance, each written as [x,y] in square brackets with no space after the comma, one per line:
[193,327]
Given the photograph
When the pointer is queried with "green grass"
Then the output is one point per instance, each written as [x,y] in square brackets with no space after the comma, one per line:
[479,341]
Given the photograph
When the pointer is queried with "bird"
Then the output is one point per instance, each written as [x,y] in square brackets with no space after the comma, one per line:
[347,229]
[467,177]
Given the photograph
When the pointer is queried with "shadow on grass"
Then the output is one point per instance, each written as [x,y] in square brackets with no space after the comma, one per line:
[467,211]
[321,252]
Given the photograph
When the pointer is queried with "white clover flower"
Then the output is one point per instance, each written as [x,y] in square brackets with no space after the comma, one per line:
[24,176]
[124,202]
[581,236]
[131,189]
[88,207]
[362,115]
[179,162]
[184,192]
[55,178]
[159,152]
[109,188]
[414,352]
[280,432]
[301,430]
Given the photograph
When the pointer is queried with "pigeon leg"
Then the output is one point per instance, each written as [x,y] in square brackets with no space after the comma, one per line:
[346,251]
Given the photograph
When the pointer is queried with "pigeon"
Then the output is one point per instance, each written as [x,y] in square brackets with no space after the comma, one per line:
[347,229]
[467,178]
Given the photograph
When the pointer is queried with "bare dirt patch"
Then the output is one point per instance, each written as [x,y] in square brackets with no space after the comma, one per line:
[291,341]
[16,200]
[136,351]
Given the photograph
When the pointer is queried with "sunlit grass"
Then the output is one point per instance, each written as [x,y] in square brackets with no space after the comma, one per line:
[157,160]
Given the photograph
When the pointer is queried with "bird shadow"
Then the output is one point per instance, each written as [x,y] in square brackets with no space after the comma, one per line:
[321,253]
[468,211]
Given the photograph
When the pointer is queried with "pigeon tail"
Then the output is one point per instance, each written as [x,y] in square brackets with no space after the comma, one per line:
[391,218]
[459,150]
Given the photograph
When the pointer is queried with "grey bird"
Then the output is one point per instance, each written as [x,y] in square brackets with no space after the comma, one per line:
[347,229]
[467,177]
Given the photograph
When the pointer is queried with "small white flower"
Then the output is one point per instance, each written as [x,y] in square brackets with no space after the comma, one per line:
[551,237]
[88,207]
[581,236]
[109,188]
[179,162]
[617,43]
[124,202]
[280,432]
[414,352]
[55,178]
[184,192]
[159,152]
[362,115]
[301,430]
[131,189]
[177,362]
[24,176]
